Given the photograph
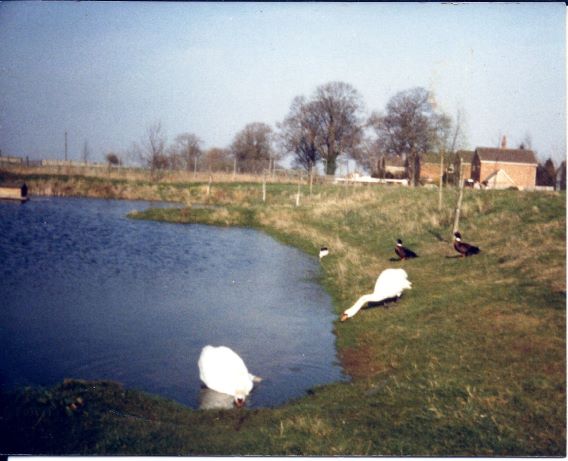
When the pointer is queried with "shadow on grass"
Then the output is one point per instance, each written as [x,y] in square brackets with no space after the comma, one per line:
[386,303]
[438,236]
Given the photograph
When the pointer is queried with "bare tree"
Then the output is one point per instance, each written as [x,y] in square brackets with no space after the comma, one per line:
[338,107]
[457,138]
[216,159]
[411,127]
[152,150]
[86,154]
[324,127]
[299,132]
[186,151]
[372,153]
[112,159]
[443,134]
[370,157]
[252,148]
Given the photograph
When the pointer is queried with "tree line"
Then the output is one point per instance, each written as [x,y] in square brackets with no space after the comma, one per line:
[319,129]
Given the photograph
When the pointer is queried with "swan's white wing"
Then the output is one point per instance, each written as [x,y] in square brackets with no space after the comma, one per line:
[391,283]
[224,371]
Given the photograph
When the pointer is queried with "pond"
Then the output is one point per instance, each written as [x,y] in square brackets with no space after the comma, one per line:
[87,293]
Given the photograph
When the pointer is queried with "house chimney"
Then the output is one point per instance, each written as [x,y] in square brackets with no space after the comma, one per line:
[504,142]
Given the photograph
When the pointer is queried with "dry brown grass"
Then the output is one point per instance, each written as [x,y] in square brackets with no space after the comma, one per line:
[142,174]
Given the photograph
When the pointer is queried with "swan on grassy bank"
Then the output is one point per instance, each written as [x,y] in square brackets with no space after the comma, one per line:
[390,284]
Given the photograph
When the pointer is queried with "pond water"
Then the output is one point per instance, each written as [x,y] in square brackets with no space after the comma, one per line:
[87,293]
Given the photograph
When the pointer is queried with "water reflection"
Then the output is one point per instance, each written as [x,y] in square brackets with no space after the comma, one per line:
[213,400]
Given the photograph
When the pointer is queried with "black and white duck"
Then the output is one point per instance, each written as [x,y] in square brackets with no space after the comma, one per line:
[463,248]
[403,252]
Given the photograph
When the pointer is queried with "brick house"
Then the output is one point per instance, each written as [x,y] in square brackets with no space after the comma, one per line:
[430,172]
[462,158]
[430,168]
[504,168]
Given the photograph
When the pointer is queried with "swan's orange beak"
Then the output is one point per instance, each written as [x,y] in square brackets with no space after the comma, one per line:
[344,317]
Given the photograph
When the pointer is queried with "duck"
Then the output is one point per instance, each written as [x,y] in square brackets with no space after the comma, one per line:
[222,370]
[390,284]
[324,251]
[465,249]
[403,252]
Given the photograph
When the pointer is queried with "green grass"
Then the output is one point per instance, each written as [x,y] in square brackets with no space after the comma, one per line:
[471,361]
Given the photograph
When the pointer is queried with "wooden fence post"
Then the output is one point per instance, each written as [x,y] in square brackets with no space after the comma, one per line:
[441,180]
[458,206]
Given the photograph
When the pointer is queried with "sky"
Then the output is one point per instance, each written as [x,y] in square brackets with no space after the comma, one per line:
[106,71]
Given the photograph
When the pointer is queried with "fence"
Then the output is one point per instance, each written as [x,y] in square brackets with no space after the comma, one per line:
[72,167]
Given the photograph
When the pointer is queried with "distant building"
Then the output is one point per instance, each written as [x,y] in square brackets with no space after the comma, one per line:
[391,167]
[462,158]
[501,168]
[430,168]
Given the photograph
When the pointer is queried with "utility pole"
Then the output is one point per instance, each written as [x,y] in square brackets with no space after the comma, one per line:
[66,146]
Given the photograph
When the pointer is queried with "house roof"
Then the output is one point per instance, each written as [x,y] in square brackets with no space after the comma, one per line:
[465,155]
[491,154]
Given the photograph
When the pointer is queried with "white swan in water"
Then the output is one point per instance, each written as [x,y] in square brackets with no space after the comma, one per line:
[222,370]
[390,284]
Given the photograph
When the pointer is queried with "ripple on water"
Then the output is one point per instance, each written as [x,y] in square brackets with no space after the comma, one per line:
[90,294]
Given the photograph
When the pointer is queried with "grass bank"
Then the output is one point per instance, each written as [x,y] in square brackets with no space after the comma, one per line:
[471,361]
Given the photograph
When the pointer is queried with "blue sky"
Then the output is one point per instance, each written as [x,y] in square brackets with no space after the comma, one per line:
[104,72]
